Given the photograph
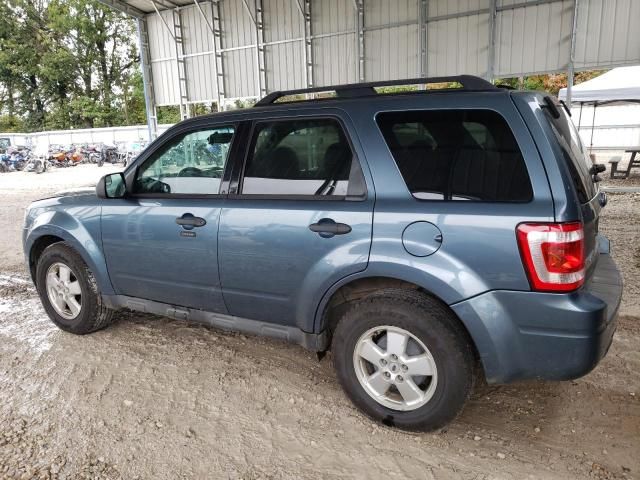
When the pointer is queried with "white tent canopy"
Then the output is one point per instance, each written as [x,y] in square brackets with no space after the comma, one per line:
[619,84]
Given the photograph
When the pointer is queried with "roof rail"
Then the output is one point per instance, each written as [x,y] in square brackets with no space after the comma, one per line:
[352,90]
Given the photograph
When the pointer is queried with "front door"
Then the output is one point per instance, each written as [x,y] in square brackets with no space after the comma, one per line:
[301,220]
[160,242]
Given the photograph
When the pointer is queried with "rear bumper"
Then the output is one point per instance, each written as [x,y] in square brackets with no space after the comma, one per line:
[528,335]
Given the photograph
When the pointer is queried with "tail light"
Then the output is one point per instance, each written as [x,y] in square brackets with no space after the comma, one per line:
[553,255]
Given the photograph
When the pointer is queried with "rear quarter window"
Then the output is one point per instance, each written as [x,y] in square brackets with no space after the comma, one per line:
[457,155]
[574,154]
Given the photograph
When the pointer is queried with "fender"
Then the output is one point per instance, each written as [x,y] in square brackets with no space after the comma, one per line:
[80,228]
[430,278]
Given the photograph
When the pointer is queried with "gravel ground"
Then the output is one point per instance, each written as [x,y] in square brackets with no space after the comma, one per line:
[157,398]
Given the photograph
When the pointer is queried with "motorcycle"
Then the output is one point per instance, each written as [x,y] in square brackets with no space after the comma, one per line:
[64,156]
[35,163]
[92,153]
[57,156]
[109,154]
[75,155]
[13,160]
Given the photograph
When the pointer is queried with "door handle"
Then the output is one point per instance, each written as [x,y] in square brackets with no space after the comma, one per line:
[327,227]
[188,221]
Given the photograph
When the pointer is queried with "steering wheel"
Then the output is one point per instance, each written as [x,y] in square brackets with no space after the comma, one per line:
[190,172]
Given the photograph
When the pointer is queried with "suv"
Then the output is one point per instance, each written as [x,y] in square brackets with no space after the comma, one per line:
[425,237]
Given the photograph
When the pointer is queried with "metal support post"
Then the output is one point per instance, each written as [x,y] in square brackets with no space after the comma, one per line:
[262,68]
[147,79]
[359,4]
[304,7]
[178,38]
[176,35]
[423,9]
[257,21]
[491,54]
[572,53]
[217,46]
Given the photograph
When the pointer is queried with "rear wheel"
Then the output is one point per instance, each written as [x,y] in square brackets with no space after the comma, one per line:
[404,360]
[68,291]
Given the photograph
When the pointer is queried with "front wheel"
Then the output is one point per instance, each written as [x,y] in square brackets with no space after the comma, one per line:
[404,360]
[68,291]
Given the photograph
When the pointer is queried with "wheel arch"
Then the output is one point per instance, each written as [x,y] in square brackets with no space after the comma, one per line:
[39,245]
[352,289]
[46,234]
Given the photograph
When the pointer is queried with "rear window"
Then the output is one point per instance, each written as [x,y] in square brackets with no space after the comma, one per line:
[457,155]
[574,153]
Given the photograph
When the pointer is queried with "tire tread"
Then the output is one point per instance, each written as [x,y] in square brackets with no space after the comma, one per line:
[452,334]
[100,316]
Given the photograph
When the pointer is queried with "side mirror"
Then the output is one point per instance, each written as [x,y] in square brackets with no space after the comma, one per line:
[111,186]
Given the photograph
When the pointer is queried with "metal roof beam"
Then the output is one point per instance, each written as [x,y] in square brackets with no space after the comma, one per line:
[123,7]
[498,8]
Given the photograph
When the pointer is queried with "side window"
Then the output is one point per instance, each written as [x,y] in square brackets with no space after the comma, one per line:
[190,164]
[457,155]
[298,157]
[575,155]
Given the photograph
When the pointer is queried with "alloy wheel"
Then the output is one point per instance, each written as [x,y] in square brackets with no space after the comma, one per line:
[395,368]
[63,291]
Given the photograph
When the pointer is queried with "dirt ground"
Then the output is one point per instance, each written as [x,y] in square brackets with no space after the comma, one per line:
[154,398]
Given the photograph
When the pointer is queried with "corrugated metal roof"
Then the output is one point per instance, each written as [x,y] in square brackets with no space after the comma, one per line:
[462,36]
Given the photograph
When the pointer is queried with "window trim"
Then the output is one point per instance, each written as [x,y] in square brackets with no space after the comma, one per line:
[456,202]
[238,178]
[183,132]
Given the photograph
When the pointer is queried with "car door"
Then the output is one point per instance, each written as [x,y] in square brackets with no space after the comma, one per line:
[160,241]
[298,220]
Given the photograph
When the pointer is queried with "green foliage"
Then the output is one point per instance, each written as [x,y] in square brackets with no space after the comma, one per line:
[239,104]
[67,64]
[551,83]
[11,123]
[169,114]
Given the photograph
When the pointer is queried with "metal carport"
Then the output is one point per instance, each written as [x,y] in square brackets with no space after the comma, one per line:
[197,51]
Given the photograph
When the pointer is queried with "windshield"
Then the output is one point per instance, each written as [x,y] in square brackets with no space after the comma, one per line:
[574,153]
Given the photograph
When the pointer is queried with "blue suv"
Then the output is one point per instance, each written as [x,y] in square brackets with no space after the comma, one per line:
[424,237]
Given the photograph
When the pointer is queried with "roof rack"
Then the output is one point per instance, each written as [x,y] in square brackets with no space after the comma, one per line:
[353,90]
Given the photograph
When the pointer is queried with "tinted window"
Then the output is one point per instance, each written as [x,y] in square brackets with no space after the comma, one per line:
[190,164]
[457,155]
[298,157]
[574,153]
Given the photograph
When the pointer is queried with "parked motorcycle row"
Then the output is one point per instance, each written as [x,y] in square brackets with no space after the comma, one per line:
[62,156]
[21,158]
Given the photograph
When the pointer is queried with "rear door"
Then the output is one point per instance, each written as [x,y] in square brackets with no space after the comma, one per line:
[297,219]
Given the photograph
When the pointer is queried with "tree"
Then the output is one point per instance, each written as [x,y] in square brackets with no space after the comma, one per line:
[68,63]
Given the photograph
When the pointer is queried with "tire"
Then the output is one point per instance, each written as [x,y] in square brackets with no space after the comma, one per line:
[92,315]
[449,356]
